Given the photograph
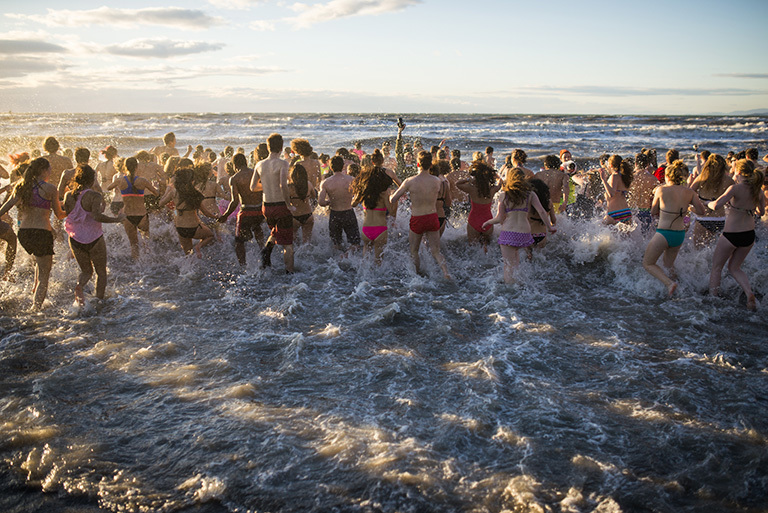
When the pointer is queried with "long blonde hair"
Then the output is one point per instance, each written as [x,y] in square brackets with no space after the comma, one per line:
[753,177]
[516,188]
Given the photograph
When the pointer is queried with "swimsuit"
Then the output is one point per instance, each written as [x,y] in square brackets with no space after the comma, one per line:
[516,239]
[425,223]
[249,220]
[346,221]
[712,224]
[81,226]
[36,241]
[187,233]
[131,191]
[623,216]
[645,218]
[280,221]
[738,239]
[674,237]
[479,214]
[38,201]
[135,220]
[302,219]
[85,248]
[116,206]
[373,232]
[538,237]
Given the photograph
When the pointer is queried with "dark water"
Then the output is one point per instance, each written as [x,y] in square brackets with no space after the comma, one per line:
[351,387]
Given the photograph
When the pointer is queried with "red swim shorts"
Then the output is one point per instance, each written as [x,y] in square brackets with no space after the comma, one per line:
[425,223]
[280,220]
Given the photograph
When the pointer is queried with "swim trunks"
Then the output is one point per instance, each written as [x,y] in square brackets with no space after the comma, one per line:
[712,224]
[516,239]
[346,221]
[86,248]
[36,241]
[738,239]
[674,237]
[425,223]
[373,232]
[280,221]
[249,220]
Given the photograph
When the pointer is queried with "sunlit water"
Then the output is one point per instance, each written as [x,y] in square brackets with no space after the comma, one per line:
[199,386]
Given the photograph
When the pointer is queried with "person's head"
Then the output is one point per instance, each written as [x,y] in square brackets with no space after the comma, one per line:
[229,151]
[516,188]
[370,184]
[704,155]
[83,179]
[51,145]
[262,152]
[131,165]
[425,160]
[565,156]
[343,153]
[603,159]
[551,162]
[239,161]
[353,169]
[519,156]
[569,167]
[455,154]
[434,149]
[144,156]
[203,171]
[441,155]
[641,161]
[751,176]
[169,139]
[627,172]
[337,164]
[300,181]
[484,176]
[171,165]
[614,161]
[275,143]
[301,147]
[18,159]
[676,172]
[37,170]
[489,150]
[672,155]
[751,154]
[440,168]
[109,152]
[358,145]
[713,171]
[82,155]
[377,158]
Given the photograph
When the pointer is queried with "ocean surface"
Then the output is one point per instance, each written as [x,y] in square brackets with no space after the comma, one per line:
[199,386]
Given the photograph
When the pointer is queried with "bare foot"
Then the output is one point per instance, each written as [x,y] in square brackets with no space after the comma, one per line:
[672,288]
[79,296]
[197,251]
[751,303]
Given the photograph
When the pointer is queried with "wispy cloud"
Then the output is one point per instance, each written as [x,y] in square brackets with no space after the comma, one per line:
[176,17]
[27,46]
[309,15]
[16,67]
[161,48]
[235,4]
[635,91]
[742,75]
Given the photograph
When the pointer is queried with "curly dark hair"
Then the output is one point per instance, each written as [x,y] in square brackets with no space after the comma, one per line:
[484,176]
[369,184]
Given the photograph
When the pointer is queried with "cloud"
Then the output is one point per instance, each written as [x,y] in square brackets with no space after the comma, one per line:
[235,4]
[742,75]
[635,91]
[26,46]
[23,66]
[176,17]
[309,15]
[161,48]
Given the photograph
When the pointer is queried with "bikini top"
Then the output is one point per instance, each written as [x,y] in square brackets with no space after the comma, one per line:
[680,214]
[131,190]
[523,209]
[37,200]
[748,211]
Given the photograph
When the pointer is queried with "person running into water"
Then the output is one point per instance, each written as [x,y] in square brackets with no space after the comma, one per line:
[84,207]
[188,200]
[132,189]
[35,198]
[273,173]
[742,201]
[711,183]
[670,203]
[302,192]
[423,189]
[250,216]
[616,191]
[557,181]
[371,188]
[512,213]
[641,191]
[481,186]
[335,193]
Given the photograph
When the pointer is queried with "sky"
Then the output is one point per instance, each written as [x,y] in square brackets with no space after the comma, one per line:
[435,56]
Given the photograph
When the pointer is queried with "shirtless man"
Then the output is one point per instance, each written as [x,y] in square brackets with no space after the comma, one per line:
[423,189]
[59,163]
[250,216]
[335,192]
[557,181]
[168,146]
[105,172]
[641,192]
[82,157]
[273,173]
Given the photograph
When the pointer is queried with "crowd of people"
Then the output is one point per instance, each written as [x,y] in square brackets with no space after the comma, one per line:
[287,186]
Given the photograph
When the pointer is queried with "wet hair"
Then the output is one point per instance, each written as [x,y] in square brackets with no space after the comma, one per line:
[343,153]
[705,154]
[300,181]
[84,178]
[262,152]
[489,149]
[484,176]
[552,162]
[169,138]
[377,158]
[455,154]
[51,145]
[754,178]
[672,155]
[202,172]
[441,155]
[440,168]
[740,155]
[82,155]
[369,185]
[143,156]
[337,164]
[275,143]
[516,188]
[604,158]
[641,160]
[455,163]
[353,169]
[239,161]
[301,147]
[615,161]
[131,165]
[751,154]
[171,165]
[185,188]
[713,171]
[677,172]
[229,151]
[627,172]
[542,191]
[478,155]
[520,156]
[32,172]
[18,158]
[425,159]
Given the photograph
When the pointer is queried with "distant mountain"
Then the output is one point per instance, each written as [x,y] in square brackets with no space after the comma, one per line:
[753,112]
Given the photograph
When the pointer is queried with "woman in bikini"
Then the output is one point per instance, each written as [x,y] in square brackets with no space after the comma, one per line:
[84,208]
[188,200]
[132,189]
[512,214]
[538,228]
[302,191]
[35,199]
[371,188]
[616,190]
[206,183]
[481,186]
[711,183]
[443,205]
[742,201]
[670,204]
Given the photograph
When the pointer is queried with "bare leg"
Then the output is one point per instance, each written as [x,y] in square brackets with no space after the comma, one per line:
[42,274]
[288,257]
[723,251]
[511,261]
[240,252]
[6,234]
[414,241]
[133,238]
[99,259]
[653,251]
[734,267]
[433,239]
[86,272]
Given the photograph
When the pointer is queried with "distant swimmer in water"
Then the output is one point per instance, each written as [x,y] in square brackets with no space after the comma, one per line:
[132,187]
[335,192]
[84,207]
[711,183]
[35,198]
[513,209]
[481,186]
[371,188]
[423,189]
[250,216]
[188,200]
[302,193]
[742,201]
[616,191]
[670,203]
